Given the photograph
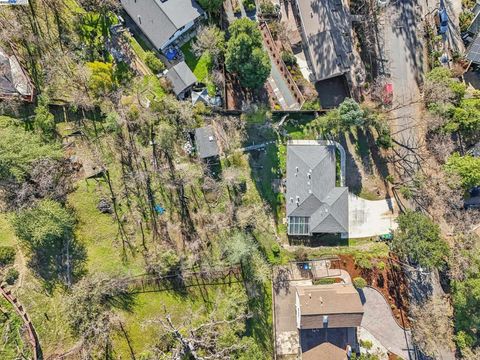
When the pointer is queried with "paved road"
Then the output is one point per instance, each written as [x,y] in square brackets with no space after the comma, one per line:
[379,321]
[404,51]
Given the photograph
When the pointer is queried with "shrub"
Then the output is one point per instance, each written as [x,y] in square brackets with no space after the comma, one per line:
[363,262]
[267,8]
[276,250]
[288,58]
[359,282]
[154,63]
[324,281]
[367,344]
[7,255]
[381,266]
[11,276]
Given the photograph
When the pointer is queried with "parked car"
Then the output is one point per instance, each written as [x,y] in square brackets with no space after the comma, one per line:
[443,20]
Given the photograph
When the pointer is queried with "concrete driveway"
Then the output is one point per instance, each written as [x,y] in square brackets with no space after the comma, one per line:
[370,218]
[378,320]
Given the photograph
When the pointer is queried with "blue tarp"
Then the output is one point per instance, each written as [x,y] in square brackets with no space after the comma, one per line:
[160,210]
[171,53]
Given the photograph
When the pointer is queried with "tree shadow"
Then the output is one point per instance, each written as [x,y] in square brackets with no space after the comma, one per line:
[316,240]
[353,178]
[59,263]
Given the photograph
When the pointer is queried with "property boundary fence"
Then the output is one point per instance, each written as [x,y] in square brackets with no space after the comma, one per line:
[32,334]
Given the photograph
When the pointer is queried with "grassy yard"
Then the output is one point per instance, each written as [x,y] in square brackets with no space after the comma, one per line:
[200,66]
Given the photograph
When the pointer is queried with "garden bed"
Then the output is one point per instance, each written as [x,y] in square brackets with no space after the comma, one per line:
[387,279]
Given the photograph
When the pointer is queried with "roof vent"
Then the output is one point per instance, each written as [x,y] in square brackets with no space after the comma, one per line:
[296,169]
[210,138]
[298,200]
[309,191]
[291,200]
[310,295]
[325,319]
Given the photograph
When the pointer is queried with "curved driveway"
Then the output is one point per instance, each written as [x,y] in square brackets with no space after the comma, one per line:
[379,321]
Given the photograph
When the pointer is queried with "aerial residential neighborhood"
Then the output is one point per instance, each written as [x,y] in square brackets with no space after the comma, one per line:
[240,179]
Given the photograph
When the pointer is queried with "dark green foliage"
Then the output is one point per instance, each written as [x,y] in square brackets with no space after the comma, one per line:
[418,239]
[288,58]
[211,6]
[7,255]
[153,62]
[11,276]
[44,121]
[94,29]
[46,231]
[245,56]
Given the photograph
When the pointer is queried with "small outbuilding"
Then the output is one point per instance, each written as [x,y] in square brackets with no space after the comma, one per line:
[14,81]
[206,143]
[182,79]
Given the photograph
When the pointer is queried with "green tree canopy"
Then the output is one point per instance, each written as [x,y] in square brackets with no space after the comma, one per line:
[101,81]
[244,54]
[466,167]
[351,114]
[418,239]
[20,149]
[441,87]
[211,6]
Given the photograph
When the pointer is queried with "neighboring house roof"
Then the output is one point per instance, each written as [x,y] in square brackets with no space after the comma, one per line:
[206,142]
[311,191]
[473,51]
[160,20]
[333,306]
[13,80]
[326,351]
[181,77]
[326,27]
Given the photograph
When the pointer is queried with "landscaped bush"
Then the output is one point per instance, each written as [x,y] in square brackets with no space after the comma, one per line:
[288,58]
[363,262]
[380,265]
[11,276]
[367,344]
[301,254]
[154,63]
[249,5]
[267,8]
[465,20]
[276,249]
[324,281]
[359,282]
[7,255]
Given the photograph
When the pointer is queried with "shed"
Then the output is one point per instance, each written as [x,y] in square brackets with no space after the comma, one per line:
[14,82]
[182,79]
[206,142]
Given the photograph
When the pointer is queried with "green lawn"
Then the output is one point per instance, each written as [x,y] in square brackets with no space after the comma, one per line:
[7,236]
[200,66]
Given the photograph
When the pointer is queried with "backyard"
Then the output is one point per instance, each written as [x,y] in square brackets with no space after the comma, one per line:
[201,66]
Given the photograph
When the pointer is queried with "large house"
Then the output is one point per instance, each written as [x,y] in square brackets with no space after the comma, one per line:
[325,29]
[164,21]
[327,319]
[315,205]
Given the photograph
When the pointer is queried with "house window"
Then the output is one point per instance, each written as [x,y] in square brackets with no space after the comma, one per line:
[298,225]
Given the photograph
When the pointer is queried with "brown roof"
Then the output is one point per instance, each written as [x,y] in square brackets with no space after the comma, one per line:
[329,299]
[325,351]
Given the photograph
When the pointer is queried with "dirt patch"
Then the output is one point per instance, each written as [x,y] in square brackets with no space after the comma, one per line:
[390,282]
[238,98]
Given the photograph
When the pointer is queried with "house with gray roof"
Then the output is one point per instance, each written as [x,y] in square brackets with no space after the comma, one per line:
[206,143]
[181,78]
[315,205]
[325,28]
[164,21]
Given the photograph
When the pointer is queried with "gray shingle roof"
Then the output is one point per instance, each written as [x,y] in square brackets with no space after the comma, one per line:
[181,77]
[311,190]
[324,25]
[13,80]
[206,142]
[160,20]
